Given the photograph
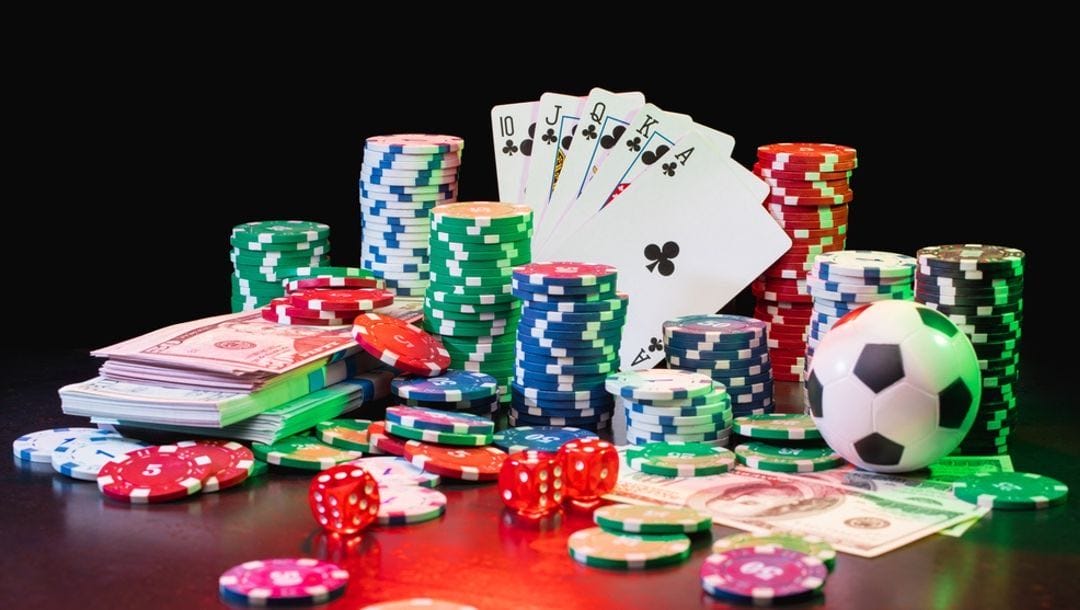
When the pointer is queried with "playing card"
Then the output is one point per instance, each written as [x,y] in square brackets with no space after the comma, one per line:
[604,119]
[687,236]
[512,128]
[556,122]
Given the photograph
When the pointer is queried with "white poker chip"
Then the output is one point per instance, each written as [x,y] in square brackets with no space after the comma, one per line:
[82,457]
[409,504]
[391,471]
[38,446]
[658,384]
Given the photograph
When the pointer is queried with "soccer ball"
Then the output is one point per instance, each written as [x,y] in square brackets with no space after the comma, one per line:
[894,386]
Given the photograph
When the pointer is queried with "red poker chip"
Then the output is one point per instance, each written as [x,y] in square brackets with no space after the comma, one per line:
[780,273]
[809,166]
[806,212]
[284,581]
[816,234]
[806,152]
[798,287]
[401,345]
[345,299]
[814,249]
[815,224]
[790,344]
[787,360]
[807,184]
[271,316]
[811,201]
[787,356]
[327,281]
[282,307]
[787,376]
[770,295]
[781,191]
[466,463]
[381,442]
[153,474]
[765,172]
[230,462]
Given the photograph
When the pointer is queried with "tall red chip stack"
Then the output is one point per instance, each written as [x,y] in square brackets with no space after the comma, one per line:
[810,193]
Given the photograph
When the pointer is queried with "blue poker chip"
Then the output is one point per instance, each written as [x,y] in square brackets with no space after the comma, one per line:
[843,287]
[574,344]
[558,291]
[538,438]
[817,316]
[739,381]
[399,161]
[419,173]
[728,355]
[833,307]
[400,190]
[760,388]
[573,327]
[562,404]
[566,352]
[717,328]
[617,302]
[569,396]
[546,360]
[393,260]
[372,217]
[392,251]
[866,265]
[39,446]
[748,371]
[618,315]
[715,346]
[394,267]
[588,335]
[540,381]
[542,412]
[711,365]
[385,180]
[416,211]
[443,196]
[453,386]
[598,368]
[532,420]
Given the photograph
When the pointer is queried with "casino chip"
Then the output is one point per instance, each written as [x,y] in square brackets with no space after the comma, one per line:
[401,345]
[230,462]
[763,574]
[810,192]
[807,545]
[395,472]
[980,288]
[154,474]
[403,178]
[678,459]
[39,446]
[344,433]
[731,350]
[81,457]
[1011,490]
[658,384]
[438,436]
[265,253]
[381,442]
[275,582]
[466,463]
[763,456]
[404,504]
[453,386]
[647,519]
[538,438]
[431,419]
[599,548]
[785,426]
[304,452]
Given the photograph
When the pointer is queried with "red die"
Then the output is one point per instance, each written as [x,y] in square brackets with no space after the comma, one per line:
[344,499]
[531,483]
[590,467]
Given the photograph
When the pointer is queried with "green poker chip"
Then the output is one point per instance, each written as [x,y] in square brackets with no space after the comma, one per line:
[471,281]
[437,436]
[332,272]
[459,289]
[470,299]
[482,215]
[305,452]
[478,308]
[478,248]
[521,233]
[785,426]
[315,247]
[597,547]
[280,231]
[470,274]
[440,313]
[1011,490]
[674,459]
[518,228]
[651,519]
[807,545]
[763,456]
[344,433]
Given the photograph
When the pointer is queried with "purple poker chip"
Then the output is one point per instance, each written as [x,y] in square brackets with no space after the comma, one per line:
[714,328]
[283,581]
[762,574]
[444,421]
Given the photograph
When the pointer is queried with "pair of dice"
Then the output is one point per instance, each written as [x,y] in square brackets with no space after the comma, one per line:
[535,483]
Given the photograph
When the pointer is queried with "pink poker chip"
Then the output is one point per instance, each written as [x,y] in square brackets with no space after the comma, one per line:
[445,421]
[762,574]
[276,581]
[563,273]
[414,144]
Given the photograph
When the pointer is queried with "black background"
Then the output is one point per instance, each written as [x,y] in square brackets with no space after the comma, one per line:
[137,162]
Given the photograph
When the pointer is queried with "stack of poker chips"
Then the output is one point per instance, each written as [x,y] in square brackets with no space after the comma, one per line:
[265,252]
[672,406]
[459,391]
[810,192]
[326,301]
[783,442]
[731,350]
[980,288]
[841,282]
[567,344]
[469,304]
[402,178]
